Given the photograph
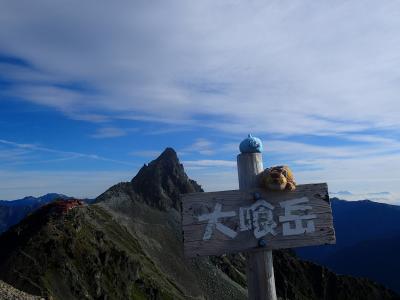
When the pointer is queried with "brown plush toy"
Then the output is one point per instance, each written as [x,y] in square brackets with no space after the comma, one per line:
[278,178]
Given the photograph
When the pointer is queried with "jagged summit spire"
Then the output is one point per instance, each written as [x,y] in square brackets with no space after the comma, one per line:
[167,161]
[161,182]
[168,153]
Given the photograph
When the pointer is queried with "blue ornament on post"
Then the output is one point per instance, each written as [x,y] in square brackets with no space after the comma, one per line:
[251,144]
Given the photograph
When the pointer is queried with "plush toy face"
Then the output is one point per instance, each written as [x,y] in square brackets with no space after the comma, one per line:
[278,178]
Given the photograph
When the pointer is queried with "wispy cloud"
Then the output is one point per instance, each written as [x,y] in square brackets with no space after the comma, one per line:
[323,68]
[201,146]
[209,163]
[366,146]
[66,154]
[284,70]
[13,155]
[362,164]
[109,132]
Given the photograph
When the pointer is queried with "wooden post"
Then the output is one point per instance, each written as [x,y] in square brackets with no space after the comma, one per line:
[260,269]
[252,217]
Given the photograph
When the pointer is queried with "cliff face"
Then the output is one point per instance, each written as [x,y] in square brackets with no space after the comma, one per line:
[163,180]
[129,246]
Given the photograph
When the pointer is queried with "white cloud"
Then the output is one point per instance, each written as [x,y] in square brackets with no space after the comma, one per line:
[282,67]
[362,175]
[362,168]
[209,163]
[109,132]
[13,155]
[201,146]
[365,146]
[30,150]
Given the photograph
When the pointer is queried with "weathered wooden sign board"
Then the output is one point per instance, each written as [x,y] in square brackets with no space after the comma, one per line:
[234,221]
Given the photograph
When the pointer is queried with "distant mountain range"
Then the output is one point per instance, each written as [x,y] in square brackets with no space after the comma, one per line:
[368,242]
[128,245]
[13,211]
[382,197]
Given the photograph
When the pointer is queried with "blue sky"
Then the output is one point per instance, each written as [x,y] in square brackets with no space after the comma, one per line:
[90,91]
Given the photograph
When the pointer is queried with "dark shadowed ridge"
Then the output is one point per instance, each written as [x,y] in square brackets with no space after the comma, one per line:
[20,234]
[11,212]
[163,180]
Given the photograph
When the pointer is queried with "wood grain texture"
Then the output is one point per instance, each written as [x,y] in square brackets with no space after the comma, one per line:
[259,265]
[197,204]
[260,276]
[249,166]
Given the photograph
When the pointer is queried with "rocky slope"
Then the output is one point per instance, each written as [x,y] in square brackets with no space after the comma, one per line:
[7,292]
[128,246]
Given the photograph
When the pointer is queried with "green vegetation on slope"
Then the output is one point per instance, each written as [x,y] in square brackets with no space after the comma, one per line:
[83,254]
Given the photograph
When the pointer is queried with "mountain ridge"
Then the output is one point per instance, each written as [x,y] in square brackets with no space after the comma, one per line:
[128,245]
[362,227]
[13,211]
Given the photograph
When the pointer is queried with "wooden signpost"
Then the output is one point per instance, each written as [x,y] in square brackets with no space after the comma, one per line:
[256,221]
[235,221]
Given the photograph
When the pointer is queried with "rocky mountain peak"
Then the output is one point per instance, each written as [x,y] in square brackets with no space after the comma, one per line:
[168,154]
[161,182]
